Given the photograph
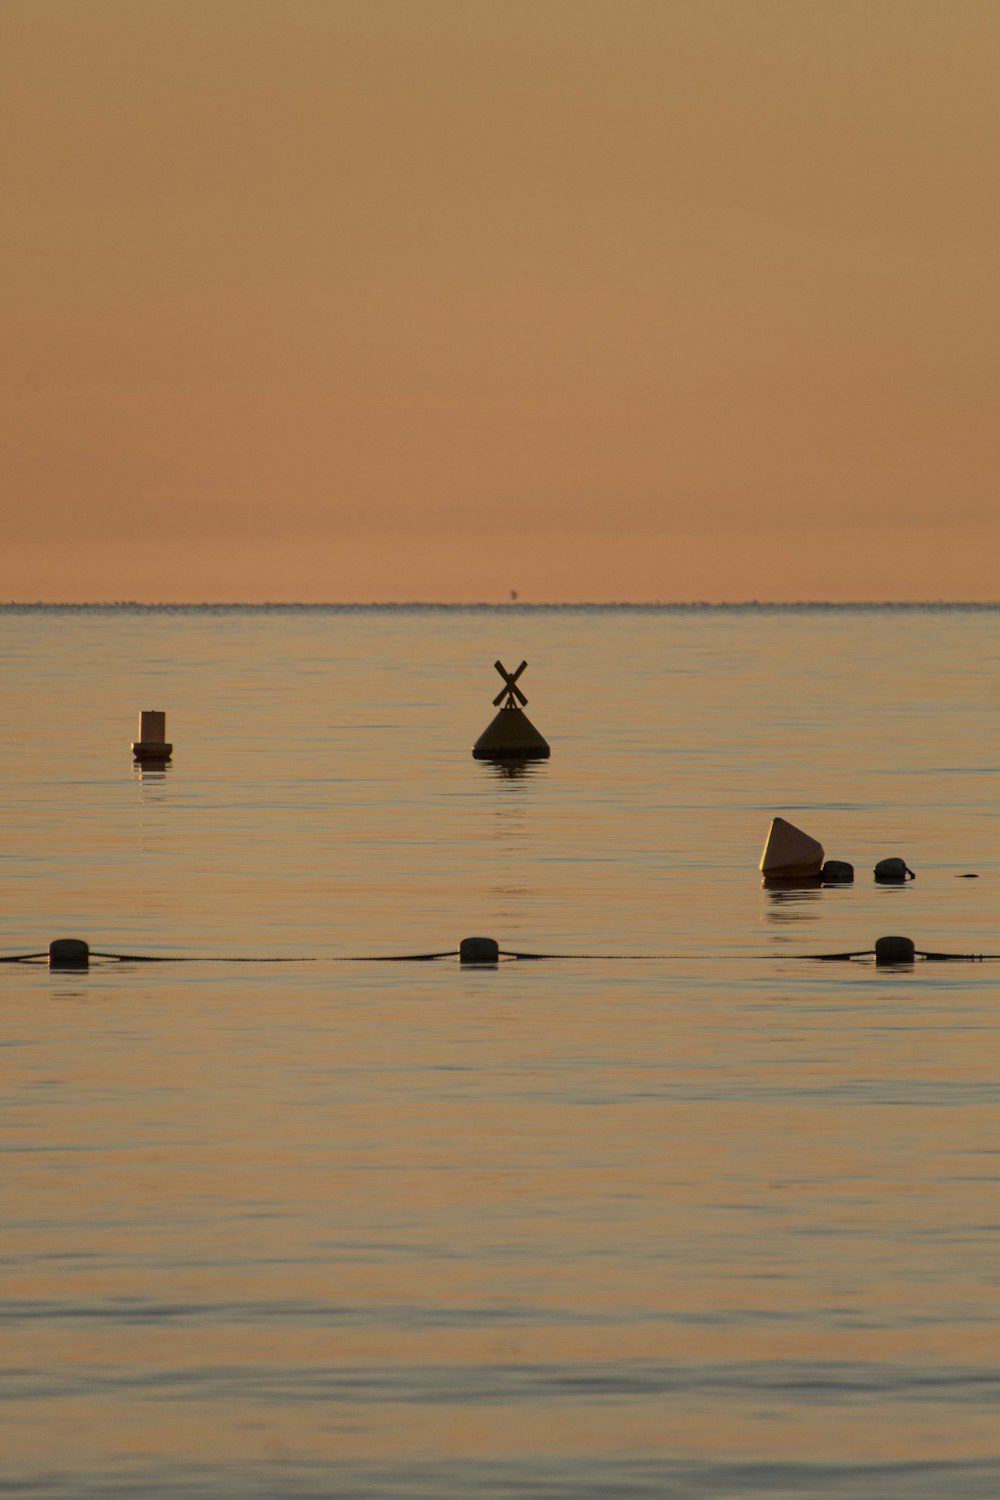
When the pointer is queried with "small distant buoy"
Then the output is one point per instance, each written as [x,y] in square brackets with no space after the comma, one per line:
[69,953]
[969,875]
[893,872]
[479,950]
[152,742]
[894,950]
[837,872]
[511,735]
[790,854]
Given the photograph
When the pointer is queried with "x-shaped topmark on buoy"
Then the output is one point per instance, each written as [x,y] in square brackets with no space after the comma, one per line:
[511,690]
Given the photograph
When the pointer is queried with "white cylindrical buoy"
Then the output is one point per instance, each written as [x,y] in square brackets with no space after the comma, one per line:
[894,950]
[790,854]
[511,736]
[479,950]
[69,953]
[152,742]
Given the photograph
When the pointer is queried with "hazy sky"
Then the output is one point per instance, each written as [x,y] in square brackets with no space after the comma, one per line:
[436,299]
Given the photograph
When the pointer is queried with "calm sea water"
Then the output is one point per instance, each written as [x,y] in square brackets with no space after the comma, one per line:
[713,1221]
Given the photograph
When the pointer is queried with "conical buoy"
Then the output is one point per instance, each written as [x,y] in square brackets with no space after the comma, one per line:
[152,742]
[790,854]
[511,735]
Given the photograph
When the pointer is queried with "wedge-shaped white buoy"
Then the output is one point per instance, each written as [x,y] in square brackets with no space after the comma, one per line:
[790,854]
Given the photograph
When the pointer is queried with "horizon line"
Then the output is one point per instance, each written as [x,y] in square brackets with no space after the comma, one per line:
[509,604]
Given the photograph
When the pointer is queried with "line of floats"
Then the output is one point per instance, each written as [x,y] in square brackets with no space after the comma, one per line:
[791,859]
[74,955]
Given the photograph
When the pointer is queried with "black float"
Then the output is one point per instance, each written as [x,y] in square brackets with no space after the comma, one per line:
[69,953]
[479,950]
[894,950]
[893,872]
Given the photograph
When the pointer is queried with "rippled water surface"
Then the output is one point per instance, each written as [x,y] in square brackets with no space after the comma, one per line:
[711,1220]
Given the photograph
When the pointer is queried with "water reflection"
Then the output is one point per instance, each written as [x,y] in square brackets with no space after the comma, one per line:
[511,825]
[151,770]
[511,900]
[799,904]
[61,992]
[514,770]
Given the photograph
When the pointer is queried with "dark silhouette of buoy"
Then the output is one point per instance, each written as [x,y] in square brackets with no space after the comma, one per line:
[894,950]
[837,872]
[152,742]
[511,735]
[789,854]
[893,872]
[479,950]
[69,953]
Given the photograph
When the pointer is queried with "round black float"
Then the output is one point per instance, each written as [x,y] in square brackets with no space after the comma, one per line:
[479,950]
[69,953]
[894,950]
[893,872]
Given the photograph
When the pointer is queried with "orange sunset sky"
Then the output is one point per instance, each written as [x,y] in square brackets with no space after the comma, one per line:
[436,299]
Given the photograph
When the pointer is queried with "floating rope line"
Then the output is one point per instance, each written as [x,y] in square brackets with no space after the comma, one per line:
[617,957]
[943,958]
[721,957]
[198,958]
[194,958]
[395,958]
[970,958]
[159,958]
[886,951]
